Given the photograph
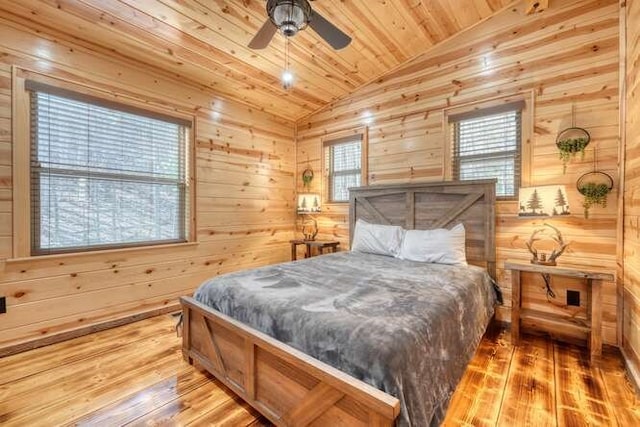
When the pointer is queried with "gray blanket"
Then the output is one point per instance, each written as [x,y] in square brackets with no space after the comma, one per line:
[407,328]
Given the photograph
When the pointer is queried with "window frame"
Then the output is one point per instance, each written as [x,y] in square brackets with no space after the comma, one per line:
[336,139]
[23,82]
[489,107]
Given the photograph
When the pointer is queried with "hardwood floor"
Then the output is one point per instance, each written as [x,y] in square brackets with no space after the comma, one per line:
[542,383]
[131,375]
[135,375]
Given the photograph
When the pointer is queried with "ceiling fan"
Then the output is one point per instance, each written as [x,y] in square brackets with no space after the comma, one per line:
[291,16]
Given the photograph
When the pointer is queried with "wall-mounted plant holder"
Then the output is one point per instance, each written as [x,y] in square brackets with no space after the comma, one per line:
[307,177]
[571,141]
[594,186]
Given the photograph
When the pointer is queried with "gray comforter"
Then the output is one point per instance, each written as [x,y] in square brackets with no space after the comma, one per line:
[407,328]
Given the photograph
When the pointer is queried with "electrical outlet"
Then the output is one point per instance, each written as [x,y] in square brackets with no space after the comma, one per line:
[3,305]
[573,298]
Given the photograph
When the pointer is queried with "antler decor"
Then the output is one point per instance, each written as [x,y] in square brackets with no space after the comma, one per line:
[542,258]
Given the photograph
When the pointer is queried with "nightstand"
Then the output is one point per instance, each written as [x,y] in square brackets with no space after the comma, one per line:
[320,246]
[592,325]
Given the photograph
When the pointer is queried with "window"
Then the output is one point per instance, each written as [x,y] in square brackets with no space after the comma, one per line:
[486,144]
[104,175]
[343,167]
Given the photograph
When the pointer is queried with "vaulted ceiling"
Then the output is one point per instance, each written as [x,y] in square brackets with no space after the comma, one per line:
[205,41]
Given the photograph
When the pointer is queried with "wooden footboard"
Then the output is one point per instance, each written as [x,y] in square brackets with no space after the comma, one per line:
[287,386]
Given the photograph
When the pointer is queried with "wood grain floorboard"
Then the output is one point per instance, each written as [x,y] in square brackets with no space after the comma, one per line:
[580,395]
[134,375]
[625,402]
[479,396]
[529,395]
[88,346]
[131,407]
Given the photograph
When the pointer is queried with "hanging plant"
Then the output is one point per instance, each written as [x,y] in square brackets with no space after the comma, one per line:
[570,142]
[594,186]
[307,177]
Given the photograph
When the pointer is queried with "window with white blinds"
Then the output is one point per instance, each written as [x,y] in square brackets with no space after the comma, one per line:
[486,144]
[343,160]
[104,177]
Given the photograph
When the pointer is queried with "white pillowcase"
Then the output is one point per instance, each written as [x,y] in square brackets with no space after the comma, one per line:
[377,239]
[440,246]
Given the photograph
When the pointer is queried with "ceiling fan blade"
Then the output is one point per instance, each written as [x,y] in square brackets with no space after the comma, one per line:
[325,29]
[264,36]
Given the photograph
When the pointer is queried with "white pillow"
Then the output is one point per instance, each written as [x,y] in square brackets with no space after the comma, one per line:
[439,246]
[377,239]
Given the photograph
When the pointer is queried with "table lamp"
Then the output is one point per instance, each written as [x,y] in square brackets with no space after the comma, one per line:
[308,204]
[546,201]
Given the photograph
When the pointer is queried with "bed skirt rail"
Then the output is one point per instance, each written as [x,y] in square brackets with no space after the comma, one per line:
[287,386]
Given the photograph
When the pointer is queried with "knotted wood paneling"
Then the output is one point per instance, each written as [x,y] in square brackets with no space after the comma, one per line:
[244,163]
[205,42]
[563,58]
[631,321]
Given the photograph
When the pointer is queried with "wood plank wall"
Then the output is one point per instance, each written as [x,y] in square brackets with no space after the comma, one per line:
[631,321]
[245,196]
[566,56]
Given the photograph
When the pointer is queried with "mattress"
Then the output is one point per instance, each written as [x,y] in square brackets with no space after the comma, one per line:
[407,328]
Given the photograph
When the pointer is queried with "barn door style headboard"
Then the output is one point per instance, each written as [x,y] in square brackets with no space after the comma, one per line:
[425,206]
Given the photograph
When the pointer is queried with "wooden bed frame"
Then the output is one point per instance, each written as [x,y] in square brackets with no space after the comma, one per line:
[291,388]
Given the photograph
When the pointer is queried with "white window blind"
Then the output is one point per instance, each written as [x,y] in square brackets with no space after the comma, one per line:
[103,177]
[487,145]
[344,161]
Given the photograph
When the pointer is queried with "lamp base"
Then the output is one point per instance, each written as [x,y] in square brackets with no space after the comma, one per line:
[310,229]
[548,263]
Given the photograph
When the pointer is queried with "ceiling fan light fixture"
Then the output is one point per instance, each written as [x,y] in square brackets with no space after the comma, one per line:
[290,16]
[287,79]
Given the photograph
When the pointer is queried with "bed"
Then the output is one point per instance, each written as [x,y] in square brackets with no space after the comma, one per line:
[352,338]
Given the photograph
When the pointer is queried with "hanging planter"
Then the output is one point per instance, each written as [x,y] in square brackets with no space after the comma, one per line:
[571,141]
[594,186]
[307,177]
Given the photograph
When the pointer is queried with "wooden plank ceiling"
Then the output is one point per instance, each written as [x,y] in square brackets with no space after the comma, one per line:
[205,41]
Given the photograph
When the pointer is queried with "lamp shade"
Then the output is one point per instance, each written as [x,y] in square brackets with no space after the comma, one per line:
[543,201]
[308,203]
